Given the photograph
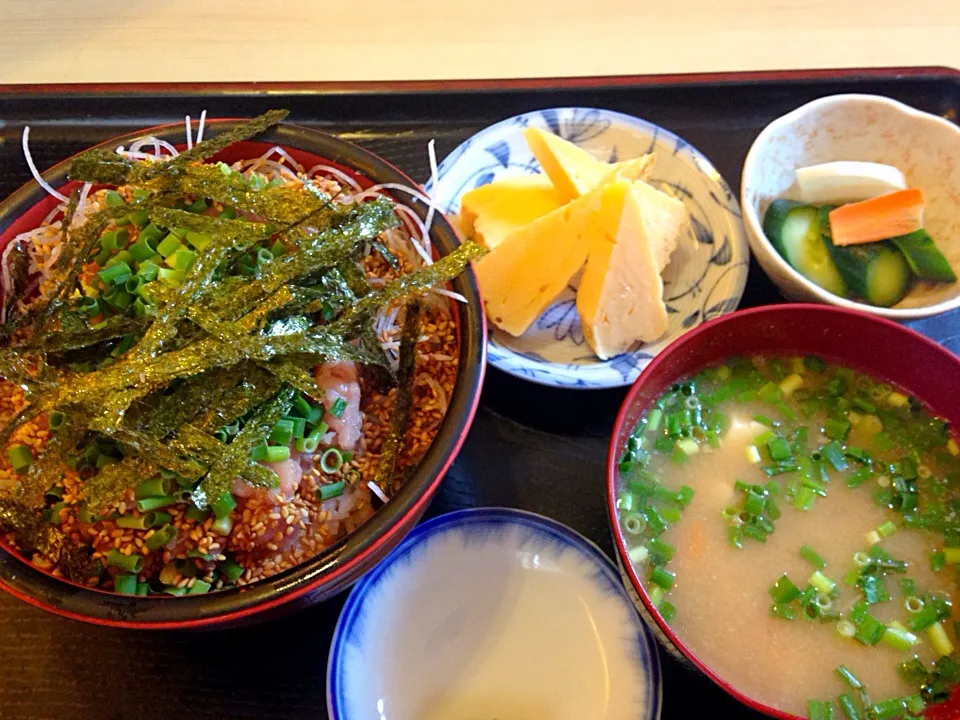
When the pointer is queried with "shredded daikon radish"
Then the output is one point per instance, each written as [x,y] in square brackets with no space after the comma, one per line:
[418,227]
[135,155]
[203,120]
[341,176]
[434,181]
[377,491]
[189,134]
[450,294]
[158,145]
[288,157]
[414,192]
[33,168]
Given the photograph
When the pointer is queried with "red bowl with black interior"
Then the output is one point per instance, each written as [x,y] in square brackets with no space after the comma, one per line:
[341,565]
[863,342]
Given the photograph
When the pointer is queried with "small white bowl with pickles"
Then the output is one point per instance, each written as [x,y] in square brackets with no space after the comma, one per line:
[863,128]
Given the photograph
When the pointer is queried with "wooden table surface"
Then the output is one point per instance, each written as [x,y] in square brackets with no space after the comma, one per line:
[52,41]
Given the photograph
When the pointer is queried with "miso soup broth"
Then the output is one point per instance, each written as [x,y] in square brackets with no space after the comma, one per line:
[796,525]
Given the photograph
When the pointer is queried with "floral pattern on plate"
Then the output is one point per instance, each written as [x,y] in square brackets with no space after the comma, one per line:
[706,274]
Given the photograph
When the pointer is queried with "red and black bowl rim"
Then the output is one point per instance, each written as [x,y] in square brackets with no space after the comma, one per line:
[864,342]
[341,564]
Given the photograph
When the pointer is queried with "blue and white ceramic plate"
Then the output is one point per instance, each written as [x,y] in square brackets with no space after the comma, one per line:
[492,613]
[706,274]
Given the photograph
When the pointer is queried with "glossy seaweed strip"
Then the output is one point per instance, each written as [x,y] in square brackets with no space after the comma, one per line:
[400,415]
[103,167]
[208,147]
[326,249]
[35,534]
[284,370]
[445,269]
[254,385]
[209,450]
[221,476]
[169,411]
[113,480]
[199,278]
[287,205]
[19,268]
[48,467]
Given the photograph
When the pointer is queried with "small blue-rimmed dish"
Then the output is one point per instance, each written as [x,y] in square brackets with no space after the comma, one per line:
[492,613]
[707,271]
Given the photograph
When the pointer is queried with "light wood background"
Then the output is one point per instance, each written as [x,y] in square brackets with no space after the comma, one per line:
[54,41]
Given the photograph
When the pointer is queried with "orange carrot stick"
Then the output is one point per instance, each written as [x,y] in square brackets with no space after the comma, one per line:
[879,218]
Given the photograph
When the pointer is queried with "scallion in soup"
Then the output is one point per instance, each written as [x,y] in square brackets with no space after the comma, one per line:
[795,522]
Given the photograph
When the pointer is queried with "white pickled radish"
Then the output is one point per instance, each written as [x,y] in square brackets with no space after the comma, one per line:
[847,181]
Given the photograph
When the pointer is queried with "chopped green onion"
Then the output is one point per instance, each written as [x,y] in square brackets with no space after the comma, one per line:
[331,460]
[339,405]
[161,537]
[223,506]
[125,584]
[846,629]
[155,503]
[157,486]
[833,454]
[836,429]
[130,563]
[939,639]
[654,418]
[223,525]
[937,560]
[869,630]
[116,274]
[662,577]
[684,495]
[819,710]
[171,278]
[634,523]
[660,551]
[231,570]
[888,528]
[784,591]
[848,677]
[811,556]
[113,199]
[282,433]
[169,245]
[899,639]
[848,708]
[301,407]
[199,587]
[277,453]
[887,709]
[333,490]
[182,259]
[196,514]
[784,612]
[20,457]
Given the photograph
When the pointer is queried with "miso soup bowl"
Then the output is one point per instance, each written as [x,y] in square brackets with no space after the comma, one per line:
[339,566]
[872,345]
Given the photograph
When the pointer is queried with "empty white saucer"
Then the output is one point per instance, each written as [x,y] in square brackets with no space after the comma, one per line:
[492,614]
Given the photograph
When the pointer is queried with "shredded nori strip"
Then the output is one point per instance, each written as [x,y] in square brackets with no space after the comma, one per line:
[211,146]
[278,204]
[103,167]
[116,478]
[446,268]
[19,264]
[34,534]
[221,476]
[400,415]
